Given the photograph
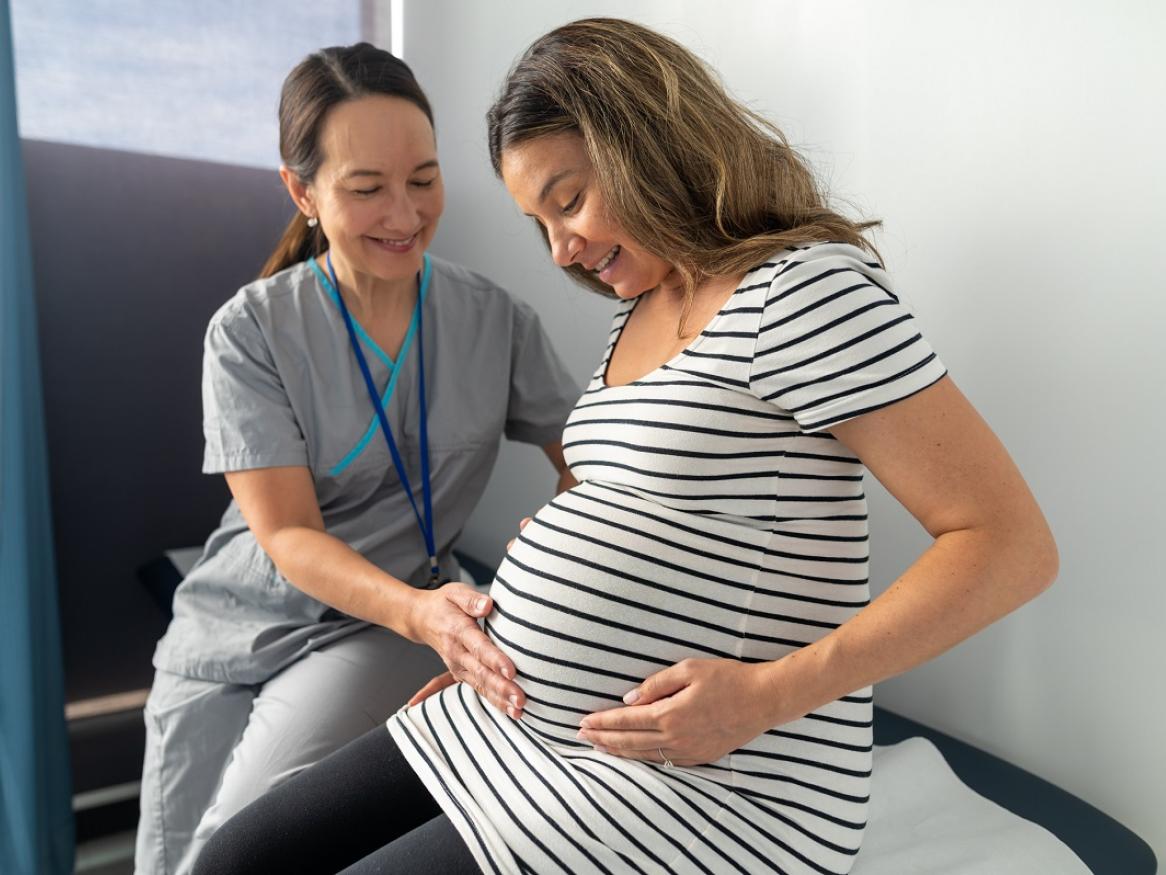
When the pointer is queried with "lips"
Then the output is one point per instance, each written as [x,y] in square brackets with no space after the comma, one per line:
[605,263]
[398,245]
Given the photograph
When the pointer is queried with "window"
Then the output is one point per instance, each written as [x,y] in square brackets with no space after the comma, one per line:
[171,77]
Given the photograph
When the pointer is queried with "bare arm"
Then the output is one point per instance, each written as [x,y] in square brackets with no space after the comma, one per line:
[281,509]
[554,452]
[992,552]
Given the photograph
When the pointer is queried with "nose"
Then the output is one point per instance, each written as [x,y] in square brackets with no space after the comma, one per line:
[565,245]
[401,214]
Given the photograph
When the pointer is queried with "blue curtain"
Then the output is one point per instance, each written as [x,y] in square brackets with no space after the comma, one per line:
[36,818]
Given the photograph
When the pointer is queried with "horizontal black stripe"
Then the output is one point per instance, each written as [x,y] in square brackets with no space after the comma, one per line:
[679,426]
[593,644]
[709,377]
[809,308]
[687,619]
[672,451]
[690,405]
[713,477]
[614,624]
[492,629]
[822,457]
[886,402]
[722,539]
[881,355]
[768,551]
[823,329]
[739,496]
[866,387]
[716,356]
[839,721]
[812,739]
[834,350]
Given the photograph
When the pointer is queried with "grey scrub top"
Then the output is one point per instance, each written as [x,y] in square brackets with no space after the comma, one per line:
[281,386]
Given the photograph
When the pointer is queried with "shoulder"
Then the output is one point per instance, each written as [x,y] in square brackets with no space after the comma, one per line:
[261,301]
[466,280]
[250,314]
[834,265]
[475,293]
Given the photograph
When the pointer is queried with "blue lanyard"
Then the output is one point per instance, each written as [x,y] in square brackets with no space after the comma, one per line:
[426,525]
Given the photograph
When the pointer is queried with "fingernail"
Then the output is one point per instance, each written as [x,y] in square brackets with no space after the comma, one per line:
[581,735]
[632,697]
[600,749]
[513,712]
[507,672]
[480,604]
[513,700]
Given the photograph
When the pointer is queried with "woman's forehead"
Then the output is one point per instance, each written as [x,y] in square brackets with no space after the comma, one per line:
[378,133]
[532,168]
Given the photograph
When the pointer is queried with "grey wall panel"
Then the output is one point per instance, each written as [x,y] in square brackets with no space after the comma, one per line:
[132,254]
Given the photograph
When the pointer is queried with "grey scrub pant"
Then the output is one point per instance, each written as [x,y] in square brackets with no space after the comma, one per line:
[213,748]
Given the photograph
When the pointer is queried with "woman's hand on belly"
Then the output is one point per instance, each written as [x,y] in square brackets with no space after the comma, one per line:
[446,619]
[691,713]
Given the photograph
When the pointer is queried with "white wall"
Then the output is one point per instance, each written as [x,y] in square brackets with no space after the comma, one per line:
[1015,154]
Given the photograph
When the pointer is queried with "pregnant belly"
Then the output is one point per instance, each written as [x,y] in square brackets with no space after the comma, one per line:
[588,604]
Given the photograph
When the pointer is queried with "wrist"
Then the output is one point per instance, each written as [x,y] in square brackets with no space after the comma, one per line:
[401,609]
[797,683]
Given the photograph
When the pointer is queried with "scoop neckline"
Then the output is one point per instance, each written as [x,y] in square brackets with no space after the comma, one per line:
[668,365]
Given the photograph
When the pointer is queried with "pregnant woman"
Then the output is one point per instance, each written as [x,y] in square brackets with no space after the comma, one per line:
[691,625]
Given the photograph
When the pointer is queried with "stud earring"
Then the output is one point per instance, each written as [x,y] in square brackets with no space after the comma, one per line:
[313,221]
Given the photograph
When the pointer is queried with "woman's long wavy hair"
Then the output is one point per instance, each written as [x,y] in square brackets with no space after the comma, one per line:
[318,83]
[689,173]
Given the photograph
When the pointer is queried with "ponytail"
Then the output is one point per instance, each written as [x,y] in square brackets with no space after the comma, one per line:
[298,243]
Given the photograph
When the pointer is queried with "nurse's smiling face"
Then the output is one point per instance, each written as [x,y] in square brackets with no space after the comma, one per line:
[551,179]
[378,193]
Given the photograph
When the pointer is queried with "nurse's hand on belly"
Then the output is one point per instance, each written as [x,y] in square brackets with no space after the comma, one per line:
[446,620]
[692,713]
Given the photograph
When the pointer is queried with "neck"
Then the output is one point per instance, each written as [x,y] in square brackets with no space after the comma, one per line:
[368,296]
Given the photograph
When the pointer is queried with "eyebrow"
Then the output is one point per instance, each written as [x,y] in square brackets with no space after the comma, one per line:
[425,165]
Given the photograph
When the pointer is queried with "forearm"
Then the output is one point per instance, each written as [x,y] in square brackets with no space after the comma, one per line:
[566,481]
[329,570]
[964,582]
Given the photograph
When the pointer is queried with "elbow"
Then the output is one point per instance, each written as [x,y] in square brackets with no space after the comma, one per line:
[1041,561]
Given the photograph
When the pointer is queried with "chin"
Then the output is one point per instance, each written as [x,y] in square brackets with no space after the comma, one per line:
[628,291]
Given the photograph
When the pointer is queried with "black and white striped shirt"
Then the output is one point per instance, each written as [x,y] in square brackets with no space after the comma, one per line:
[715,517]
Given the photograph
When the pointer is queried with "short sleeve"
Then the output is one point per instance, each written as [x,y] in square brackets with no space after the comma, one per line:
[542,392]
[248,420]
[835,342]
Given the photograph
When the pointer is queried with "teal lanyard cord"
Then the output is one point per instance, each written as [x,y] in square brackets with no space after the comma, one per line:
[426,524]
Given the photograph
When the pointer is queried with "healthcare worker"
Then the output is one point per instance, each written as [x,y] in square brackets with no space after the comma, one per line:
[354,397]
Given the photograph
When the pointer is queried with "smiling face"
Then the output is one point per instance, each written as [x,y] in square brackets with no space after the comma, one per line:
[378,192]
[552,179]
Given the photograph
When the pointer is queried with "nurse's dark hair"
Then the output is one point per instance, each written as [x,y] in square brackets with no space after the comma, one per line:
[689,173]
[317,84]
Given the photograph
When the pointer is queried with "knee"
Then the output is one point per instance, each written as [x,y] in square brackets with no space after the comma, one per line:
[229,852]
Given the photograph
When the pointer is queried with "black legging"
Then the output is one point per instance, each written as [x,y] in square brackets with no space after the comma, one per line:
[363,808]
